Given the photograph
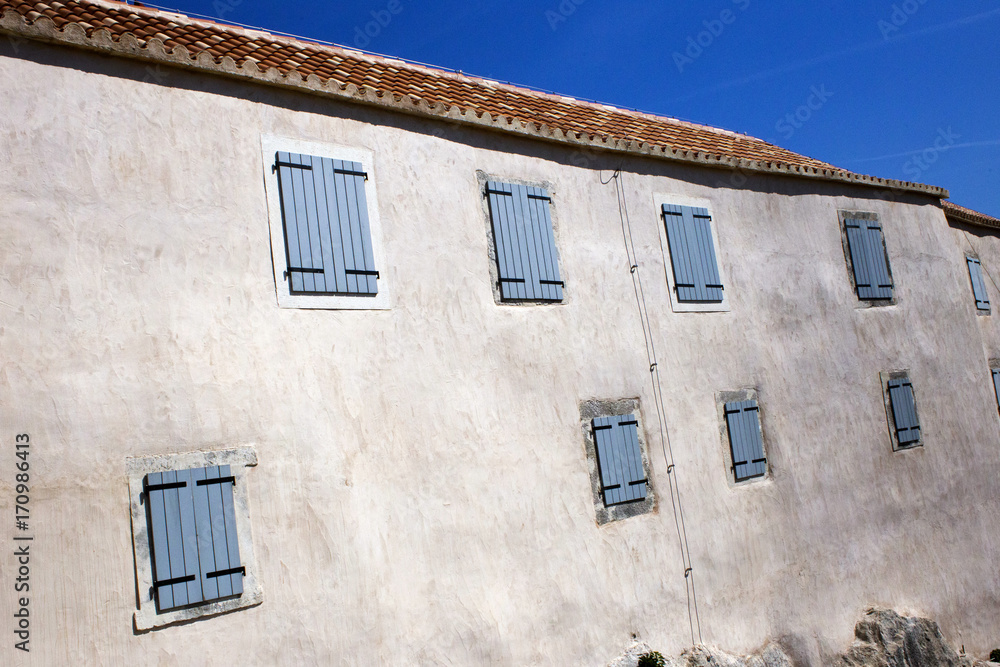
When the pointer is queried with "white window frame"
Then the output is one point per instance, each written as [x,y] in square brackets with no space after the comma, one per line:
[239,459]
[661,198]
[270,145]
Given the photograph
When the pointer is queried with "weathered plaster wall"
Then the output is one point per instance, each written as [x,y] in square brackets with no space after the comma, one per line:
[422,494]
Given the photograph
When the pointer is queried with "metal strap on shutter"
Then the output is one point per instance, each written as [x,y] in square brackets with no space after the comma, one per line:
[996,385]
[692,254]
[978,286]
[196,554]
[904,412]
[745,442]
[527,263]
[619,459]
[868,259]
[328,242]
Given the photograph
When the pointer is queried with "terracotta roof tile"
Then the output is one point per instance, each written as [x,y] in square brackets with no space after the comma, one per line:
[510,105]
[967,215]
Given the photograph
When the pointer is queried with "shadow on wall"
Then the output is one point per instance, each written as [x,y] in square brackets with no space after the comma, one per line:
[584,157]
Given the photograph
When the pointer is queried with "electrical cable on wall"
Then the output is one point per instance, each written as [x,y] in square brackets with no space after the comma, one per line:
[668,455]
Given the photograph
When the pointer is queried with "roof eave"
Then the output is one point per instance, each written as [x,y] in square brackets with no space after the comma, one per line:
[43,29]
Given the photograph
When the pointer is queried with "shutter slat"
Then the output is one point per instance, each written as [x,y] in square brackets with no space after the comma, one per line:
[551,256]
[603,446]
[619,459]
[710,267]
[326,202]
[218,526]
[683,277]
[622,461]
[501,211]
[692,254]
[526,242]
[232,541]
[527,262]
[859,263]
[175,540]
[302,223]
[314,257]
[869,260]
[189,536]
[881,260]
[904,411]
[327,227]
[978,284]
[367,256]
[206,547]
[745,442]
[158,534]
[289,219]
[630,432]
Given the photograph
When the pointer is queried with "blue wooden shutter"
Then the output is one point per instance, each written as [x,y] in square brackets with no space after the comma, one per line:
[996,385]
[978,286]
[869,259]
[527,263]
[328,243]
[619,459]
[745,443]
[904,412]
[692,254]
[192,526]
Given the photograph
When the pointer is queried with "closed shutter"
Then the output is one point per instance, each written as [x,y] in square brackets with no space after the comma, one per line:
[996,385]
[904,412]
[692,254]
[328,243]
[619,459]
[869,260]
[745,442]
[192,526]
[978,286]
[527,263]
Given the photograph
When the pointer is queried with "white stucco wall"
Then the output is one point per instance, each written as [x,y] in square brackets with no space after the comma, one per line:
[422,494]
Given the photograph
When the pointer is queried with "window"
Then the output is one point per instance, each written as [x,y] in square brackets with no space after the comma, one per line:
[623,477]
[978,285]
[325,234]
[689,241]
[692,254]
[191,534]
[901,410]
[867,257]
[616,454]
[746,445]
[192,526]
[527,262]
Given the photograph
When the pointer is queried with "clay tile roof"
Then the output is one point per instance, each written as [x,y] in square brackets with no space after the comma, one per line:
[271,59]
[968,216]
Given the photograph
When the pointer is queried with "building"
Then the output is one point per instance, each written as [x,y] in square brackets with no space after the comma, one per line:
[406,426]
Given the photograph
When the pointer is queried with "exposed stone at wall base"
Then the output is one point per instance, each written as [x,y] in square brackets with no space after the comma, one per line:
[886,639]
[883,639]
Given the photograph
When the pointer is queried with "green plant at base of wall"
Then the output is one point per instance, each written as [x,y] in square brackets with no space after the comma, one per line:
[651,659]
[995,655]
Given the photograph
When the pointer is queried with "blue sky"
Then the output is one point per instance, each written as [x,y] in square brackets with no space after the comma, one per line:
[903,89]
